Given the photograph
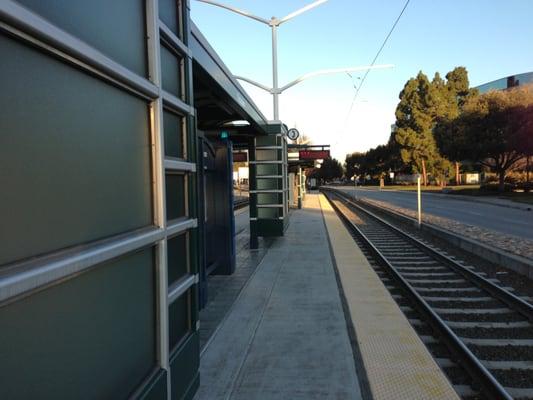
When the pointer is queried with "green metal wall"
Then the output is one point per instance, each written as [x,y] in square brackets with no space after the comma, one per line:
[99,261]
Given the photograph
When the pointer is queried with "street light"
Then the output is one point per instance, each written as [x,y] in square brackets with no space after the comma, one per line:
[274,22]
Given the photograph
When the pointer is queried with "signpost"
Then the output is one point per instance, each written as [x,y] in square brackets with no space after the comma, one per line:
[419,198]
[240,156]
[313,154]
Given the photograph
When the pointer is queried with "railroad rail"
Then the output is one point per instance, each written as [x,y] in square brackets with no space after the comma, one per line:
[486,330]
[240,203]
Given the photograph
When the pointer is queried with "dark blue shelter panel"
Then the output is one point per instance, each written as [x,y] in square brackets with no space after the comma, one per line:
[74,156]
[171,67]
[90,337]
[175,195]
[173,130]
[177,258]
[115,28]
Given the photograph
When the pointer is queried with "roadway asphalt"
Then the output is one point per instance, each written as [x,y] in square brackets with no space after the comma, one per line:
[497,218]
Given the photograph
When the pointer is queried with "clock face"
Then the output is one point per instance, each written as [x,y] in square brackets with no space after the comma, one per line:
[293,134]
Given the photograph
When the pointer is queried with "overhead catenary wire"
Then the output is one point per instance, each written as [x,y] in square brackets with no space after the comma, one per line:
[358,88]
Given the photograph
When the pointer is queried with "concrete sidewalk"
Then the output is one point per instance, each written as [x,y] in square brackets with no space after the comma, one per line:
[286,336]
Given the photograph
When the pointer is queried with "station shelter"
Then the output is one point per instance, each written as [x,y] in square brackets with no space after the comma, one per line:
[302,157]
[116,138]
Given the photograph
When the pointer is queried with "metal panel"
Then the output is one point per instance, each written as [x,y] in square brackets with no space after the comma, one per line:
[65,172]
[116,28]
[171,71]
[174,138]
[89,337]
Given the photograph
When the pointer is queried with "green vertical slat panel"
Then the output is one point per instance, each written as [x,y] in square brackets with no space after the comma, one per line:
[90,337]
[116,28]
[74,156]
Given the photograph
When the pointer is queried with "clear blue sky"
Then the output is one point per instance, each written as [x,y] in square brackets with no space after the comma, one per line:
[491,38]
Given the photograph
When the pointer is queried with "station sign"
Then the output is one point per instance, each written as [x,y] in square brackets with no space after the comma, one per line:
[240,156]
[313,154]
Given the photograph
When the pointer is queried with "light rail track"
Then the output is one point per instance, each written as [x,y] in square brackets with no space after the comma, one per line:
[240,203]
[469,322]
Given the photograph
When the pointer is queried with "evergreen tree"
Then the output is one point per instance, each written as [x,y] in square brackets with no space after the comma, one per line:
[455,93]
[415,115]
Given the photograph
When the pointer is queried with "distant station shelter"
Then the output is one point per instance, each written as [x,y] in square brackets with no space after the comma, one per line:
[118,124]
[301,157]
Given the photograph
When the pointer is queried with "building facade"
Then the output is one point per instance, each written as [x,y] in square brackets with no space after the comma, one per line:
[507,82]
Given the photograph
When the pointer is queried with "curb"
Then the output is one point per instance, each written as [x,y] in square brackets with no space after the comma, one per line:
[500,257]
[472,199]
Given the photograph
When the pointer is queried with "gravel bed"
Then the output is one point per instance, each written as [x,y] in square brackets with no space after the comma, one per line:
[457,376]
[465,305]
[509,317]
[412,315]
[438,350]
[423,330]
[523,286]
[502,333]
[518,378]
[503,353]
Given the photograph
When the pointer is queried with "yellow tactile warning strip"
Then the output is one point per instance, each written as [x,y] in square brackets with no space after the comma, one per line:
[397,363]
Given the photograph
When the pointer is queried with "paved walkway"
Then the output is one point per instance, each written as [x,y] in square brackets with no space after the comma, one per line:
[285,336]
[223,290]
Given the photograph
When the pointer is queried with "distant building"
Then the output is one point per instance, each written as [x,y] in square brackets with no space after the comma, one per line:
[507,82]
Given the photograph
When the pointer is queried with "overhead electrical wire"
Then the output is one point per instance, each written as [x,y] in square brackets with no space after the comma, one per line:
[358,88]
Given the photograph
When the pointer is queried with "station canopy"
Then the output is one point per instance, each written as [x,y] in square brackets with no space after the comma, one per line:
[221,102]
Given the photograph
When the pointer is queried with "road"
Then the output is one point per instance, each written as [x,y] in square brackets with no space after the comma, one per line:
[500,219]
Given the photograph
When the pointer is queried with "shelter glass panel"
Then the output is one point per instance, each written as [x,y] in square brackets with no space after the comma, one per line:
[170,14]
[116,28]
[74,156]
[90,337]
[178,265]
[175,196]
[171,72]
[179,319]
[174,136]
[267,212]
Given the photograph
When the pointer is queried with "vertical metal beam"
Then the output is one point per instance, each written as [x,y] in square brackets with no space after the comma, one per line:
[158,179]
[299,187]
[275,93]
[252,186]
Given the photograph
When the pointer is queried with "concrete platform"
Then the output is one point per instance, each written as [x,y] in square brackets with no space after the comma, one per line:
[285,336]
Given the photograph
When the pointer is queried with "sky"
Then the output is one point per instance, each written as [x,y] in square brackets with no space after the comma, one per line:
[491,38]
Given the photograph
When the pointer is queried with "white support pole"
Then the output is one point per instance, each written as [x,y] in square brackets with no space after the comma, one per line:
[419,201]
[355,187]
[275,93]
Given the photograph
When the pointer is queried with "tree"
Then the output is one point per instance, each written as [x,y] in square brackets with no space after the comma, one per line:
[495,128]
[453,96]
[330,169]
[354,163]
[415,116]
